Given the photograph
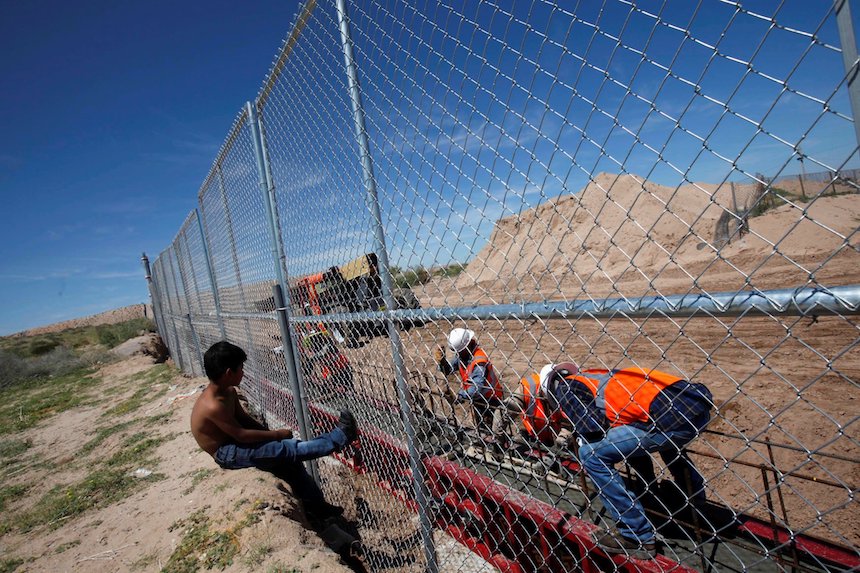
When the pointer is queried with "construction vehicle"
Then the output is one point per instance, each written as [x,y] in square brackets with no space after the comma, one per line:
[353,287]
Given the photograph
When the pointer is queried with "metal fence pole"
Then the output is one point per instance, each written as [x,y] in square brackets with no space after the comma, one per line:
[157,311]
[279,258]
[194,339]
[387,290]
[180,353]
[216,299]
[231,237]
[849,58]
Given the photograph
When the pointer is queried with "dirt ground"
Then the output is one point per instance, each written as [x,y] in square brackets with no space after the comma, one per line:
[136,534]
[141,532]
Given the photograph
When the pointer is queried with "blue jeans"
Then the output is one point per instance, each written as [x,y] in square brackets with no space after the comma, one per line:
[621,444]
[283,459]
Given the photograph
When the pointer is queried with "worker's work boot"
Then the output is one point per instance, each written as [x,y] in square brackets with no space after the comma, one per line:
[613,542]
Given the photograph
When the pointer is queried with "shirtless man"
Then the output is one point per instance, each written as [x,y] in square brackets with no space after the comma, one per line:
[235,440]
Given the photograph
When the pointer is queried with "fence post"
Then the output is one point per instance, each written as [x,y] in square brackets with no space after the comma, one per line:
[279,258]
[180,357]
[387,290]
[157,311]
[848,43]
[216,298]
[235,258]
[187,316]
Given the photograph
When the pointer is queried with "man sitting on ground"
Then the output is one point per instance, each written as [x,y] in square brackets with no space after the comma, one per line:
[235,440]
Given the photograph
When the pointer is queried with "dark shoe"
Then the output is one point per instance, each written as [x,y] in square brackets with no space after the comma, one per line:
[338,540]
[321,510]
[348,424]
[615,543]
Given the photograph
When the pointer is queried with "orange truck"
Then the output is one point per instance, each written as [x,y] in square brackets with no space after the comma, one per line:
[353,287]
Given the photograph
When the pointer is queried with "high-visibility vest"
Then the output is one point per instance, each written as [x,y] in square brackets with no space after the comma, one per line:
[625,396]
[535,420]
[480,357]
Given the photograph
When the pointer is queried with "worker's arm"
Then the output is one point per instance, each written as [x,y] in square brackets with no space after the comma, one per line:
[516,403]
[447,368]
[478,386]
[577,404]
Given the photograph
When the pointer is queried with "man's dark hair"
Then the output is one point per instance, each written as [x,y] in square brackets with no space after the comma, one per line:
[222,356]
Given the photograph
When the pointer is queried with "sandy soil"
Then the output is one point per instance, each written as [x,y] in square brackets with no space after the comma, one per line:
[135,534]
[624,237]
[139,533]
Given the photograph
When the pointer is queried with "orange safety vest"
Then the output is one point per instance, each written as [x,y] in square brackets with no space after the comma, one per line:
[480,357]
[535,420]
[625,395]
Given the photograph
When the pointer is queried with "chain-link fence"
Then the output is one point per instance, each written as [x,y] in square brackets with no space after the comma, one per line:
[616,184]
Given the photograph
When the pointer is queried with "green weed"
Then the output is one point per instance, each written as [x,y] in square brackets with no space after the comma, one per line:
[145,561]
[279,567]
[11,449]
[109,483]
[147,391]
[99,489]
[256,554]
[200,546]
[11,492]
[23,358]
[66,546]
[24,405]
[103,434]
[197,477]
[10,564]
[136,449]
[103,334]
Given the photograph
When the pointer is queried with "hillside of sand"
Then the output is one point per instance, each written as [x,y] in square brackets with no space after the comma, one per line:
[624,236]
[113,316]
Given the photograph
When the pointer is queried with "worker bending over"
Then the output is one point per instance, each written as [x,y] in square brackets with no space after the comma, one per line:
[538,423]
[481,386]
[621,415]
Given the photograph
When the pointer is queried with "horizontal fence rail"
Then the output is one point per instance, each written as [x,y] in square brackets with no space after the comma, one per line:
[668,187]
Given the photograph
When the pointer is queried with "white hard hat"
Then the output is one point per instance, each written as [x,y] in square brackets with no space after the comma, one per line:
[460,338]
[544,374]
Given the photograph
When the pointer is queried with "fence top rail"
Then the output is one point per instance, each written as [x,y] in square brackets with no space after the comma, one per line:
[286,49]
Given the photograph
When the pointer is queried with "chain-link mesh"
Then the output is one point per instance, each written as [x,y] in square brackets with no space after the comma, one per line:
[669,187]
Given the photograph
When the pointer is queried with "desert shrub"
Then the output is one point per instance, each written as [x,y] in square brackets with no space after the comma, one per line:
[775,197]
[41,346]
[57,362]
[95,355]
[450,271]
[410,277]
[112,334]
[12,368]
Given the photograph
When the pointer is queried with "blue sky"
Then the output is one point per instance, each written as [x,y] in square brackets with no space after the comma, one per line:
[112,114]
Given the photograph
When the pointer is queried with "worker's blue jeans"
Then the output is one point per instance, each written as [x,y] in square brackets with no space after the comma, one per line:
[284,460]
[625,442]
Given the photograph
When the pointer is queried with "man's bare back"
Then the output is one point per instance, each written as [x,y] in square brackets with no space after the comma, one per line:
[214,402]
